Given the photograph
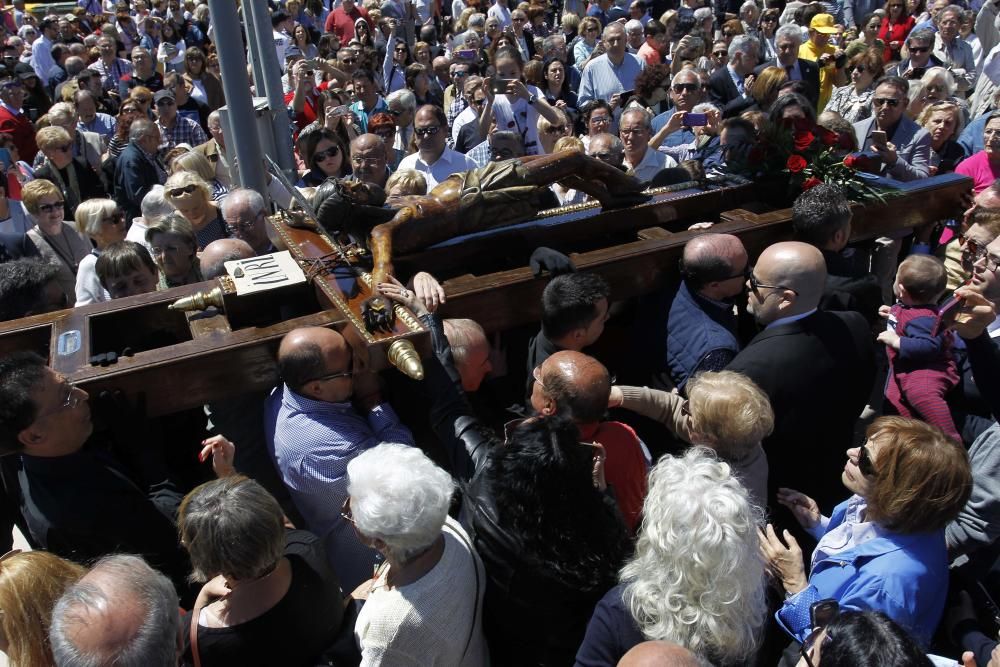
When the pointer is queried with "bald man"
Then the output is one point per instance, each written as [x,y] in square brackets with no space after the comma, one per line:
[576,385]
[313,431]
[658,654]
[121,606]
[700,327]
[369,160]
[816,367]
[215,255]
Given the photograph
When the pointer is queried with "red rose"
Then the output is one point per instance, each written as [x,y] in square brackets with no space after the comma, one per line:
[828,137]
[810,183]
[803,139]
[796,163]
[851,161]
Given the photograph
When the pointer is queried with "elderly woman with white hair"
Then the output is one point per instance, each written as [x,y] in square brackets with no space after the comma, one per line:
[424,604]
[103,223]
[192,197]
[269,596]
[696,578]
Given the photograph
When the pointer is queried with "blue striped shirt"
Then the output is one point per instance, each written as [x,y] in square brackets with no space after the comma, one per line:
[601,78]
[311,443]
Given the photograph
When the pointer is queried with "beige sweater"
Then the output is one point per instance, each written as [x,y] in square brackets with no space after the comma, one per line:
[665,407]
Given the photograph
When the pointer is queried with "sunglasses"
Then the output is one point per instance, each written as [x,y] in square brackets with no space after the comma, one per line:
[882,101]
[719,54]
[479,102]
[601,120]
[427,131]
[333,376]
[756,285]
[331,152]
[51,208]
[919,49]
[972,250]
[350,61]
[186,190]
[865,464]
[689,87]
[66,148]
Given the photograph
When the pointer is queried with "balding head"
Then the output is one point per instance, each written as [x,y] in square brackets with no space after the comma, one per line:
[658,654]
[790,277]
[572,384]
[218,252]
[121,611]
[368,158]
[714,265]
[308,358]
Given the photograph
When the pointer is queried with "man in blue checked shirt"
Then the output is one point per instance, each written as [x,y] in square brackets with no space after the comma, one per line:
[314,430]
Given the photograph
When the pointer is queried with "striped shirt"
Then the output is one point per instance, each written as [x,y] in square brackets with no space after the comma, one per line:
[601,78]
[311,443]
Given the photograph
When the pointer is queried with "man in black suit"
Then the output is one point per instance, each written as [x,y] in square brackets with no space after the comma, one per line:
[817,368]
[787,41]
[729,86]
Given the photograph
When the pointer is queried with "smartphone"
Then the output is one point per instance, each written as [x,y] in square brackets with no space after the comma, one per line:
[695,119]
[840,61]
[624,96]
[918,73]
[879,138]
[499,86]
[946,314]
[342,110]
[466,54]
[311,64]
[823,612]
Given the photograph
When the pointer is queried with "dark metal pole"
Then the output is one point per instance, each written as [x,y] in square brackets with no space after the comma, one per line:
[236,86]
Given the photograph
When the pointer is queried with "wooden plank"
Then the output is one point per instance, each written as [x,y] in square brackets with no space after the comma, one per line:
[654,233]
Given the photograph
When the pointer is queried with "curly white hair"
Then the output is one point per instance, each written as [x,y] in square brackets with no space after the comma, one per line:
[697,578]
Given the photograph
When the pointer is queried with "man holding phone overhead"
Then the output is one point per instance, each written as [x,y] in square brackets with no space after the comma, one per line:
[905,148]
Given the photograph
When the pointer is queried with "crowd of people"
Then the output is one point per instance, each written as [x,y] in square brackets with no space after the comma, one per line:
[794,461]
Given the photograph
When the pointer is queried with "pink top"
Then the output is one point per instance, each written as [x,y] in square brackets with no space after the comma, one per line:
[979,169]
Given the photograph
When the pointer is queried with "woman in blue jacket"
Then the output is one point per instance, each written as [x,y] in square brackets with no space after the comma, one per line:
[883,548]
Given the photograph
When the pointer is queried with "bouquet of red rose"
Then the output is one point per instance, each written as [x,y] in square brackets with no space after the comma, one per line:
[808,154]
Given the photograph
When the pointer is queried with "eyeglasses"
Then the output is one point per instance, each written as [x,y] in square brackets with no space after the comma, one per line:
[51,208]
[990,262]
[604,156]
[919,49]
[600,120]
[756,285]
[720,54]
[345,511]
[65,148]
[518,20]
[556,129]
[479,102]
[331,152]
[243,225]
[747,272]
[71,400]
[865,464]
[882,101]
[427,131]
[972,251]
[366,162]
[350,61]
[186,190]
[194,59]
[689,87]
[631,130]
[459,74]
[333,376]
[537,374]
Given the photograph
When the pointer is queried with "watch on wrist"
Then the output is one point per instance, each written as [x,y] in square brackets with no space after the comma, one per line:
[532,99]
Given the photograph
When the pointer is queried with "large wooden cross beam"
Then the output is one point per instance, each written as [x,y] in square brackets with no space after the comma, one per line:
[182,360]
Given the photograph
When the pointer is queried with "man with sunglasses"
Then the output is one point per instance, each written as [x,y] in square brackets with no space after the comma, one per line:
[685,93]
[919,45]
[816,367]
[174,128]
[433,157]
[321,417]
[907,153]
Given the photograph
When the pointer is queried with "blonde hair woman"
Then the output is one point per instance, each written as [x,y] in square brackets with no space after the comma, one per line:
[103,223]
[30,584]
[724,411]
[57,241]
[198,164]
[192,197]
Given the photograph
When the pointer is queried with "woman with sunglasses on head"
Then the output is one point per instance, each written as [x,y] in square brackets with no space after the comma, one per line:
[883,548]
[205,88]
[853,101]
[590,32]
[855,638]
[192,198]
[103,223]
[896,25]
[76,182]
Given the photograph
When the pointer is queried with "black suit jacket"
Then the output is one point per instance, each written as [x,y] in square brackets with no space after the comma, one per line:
[818,373]
[16,246]
[135,176]
[723,92]
[810,74]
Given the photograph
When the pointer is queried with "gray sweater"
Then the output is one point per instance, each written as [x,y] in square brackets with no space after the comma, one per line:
[978,524]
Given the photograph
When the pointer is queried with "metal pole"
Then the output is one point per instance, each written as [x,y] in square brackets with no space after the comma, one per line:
[236,86]
[280,123]
[253,46]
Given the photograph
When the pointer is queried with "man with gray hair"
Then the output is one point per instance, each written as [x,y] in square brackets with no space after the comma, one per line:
[139,167]
[787,41]
[607,76]
[641,161]
[634,35]
[919,46]
[729,86]
[215,150]
[154,207]
[952,50]
[244,212]
[608,149]
[122,612]
[685,93]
